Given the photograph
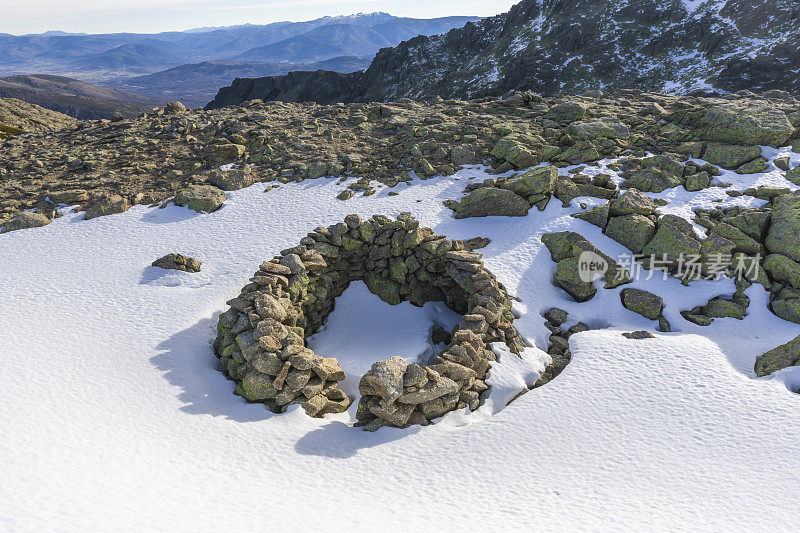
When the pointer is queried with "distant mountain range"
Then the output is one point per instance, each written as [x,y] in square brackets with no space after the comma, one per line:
[147,61]
[196,84]
[569,46]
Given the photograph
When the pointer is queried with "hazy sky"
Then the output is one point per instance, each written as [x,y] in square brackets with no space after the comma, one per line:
[146,16]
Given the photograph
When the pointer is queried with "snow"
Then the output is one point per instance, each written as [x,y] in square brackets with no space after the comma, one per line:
[362,329]
[692,5]
[116,416]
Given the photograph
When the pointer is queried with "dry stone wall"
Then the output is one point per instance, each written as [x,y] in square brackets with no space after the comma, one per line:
[261,341]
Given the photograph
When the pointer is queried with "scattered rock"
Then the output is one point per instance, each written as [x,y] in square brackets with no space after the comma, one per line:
[566,249]
[639,335]
[489,201]
[25,220]
[731,156]
[178,262]
[783,356]
[644,303]
[201,198]
[632,231]
[110,205]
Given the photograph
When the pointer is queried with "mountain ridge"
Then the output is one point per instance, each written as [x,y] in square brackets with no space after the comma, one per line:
[570,46]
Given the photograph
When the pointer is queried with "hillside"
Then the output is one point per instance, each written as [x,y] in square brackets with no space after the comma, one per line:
[569,46]
[17,116]
[75,98]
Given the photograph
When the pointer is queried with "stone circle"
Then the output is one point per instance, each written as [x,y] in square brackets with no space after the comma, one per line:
[261,341]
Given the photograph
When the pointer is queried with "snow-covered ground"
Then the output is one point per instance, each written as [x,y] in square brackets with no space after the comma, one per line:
[115,416]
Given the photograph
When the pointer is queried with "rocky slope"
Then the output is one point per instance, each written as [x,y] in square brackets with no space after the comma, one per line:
[569,46]
[154,157]
[17,116]
[76,98]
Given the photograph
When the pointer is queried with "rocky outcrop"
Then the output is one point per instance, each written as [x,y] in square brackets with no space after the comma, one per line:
[261,338]
[784,232]
[569,250]
[321,86]
[570,46]
[511,196]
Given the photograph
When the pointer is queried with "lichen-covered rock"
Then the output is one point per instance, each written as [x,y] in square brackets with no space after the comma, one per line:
[385,379]
[566,249]
[755,166]
[783,356]
[490,201]
[201,198]
[632,231]
[110,205]
[645,303]
[697,182]
[731,156]
[257,387]
[225,153]
[652,180]
[793,175]
[723,308]
[232,180]
[567,189]
[753,125]
[582,151]
[674,238]
[632,202]
[597,216]
[178,262]
[568,278]
[567,112]
[752,222]
[593,130]
[784,232]
[514,150]
[70,196]
[25,220]
[783,269]
[788,309]
[743,242]
[539,181]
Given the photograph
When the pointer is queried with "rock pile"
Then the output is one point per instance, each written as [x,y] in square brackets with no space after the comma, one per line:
[508,196]
[555,320]
[178,262]
[261,338]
